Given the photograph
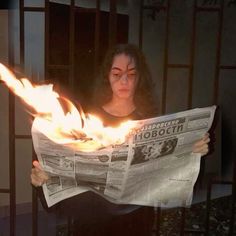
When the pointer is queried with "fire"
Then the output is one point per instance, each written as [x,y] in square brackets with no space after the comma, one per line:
[86,133]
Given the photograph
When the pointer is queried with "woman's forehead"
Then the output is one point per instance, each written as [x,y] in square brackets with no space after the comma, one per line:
[123,61]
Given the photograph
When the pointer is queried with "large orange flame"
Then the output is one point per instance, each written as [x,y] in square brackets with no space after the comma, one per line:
[61,127]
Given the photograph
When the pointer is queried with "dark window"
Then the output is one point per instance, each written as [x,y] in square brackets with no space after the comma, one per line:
[84,54]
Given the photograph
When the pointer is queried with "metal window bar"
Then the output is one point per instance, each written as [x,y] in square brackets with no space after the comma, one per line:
[218,50]
[72,43]
[12,135]
[166,58]
[71,71]
[46,39]
[12,164]
[141,24]
[34,206]
[97,37]
[112,23]
[24,9]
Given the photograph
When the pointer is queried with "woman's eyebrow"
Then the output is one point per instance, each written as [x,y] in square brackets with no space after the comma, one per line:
[115,68]
[133,68]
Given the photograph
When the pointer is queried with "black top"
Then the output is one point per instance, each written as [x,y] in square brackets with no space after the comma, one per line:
[111,120]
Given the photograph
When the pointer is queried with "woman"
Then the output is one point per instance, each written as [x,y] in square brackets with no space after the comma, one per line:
[125,92]
[125,86]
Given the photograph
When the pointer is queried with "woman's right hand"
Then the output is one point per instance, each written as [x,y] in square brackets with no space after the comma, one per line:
[38,176]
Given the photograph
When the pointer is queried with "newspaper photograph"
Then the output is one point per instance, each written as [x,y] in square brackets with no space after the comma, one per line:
[155,166]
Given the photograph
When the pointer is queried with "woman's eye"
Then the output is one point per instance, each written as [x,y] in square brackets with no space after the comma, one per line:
[116,75]
[132,75]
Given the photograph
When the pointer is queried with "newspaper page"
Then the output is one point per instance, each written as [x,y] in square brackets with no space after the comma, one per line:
[155,166]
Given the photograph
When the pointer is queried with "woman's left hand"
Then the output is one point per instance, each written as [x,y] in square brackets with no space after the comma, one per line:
[201,146]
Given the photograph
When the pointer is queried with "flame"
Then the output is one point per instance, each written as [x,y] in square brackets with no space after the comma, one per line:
[74,128]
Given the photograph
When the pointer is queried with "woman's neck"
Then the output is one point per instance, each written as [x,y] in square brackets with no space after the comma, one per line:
[119,107]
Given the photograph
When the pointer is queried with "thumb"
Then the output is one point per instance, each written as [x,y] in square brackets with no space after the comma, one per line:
[37,165]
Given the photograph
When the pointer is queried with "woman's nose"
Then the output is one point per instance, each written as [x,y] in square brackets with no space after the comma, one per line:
[124,79]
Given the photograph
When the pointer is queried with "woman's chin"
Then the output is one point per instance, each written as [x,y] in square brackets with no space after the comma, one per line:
[124,96]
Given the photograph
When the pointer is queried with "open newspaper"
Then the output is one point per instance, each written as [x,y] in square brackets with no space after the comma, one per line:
[154,167]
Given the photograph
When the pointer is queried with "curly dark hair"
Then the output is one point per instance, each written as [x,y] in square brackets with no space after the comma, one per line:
[143,97]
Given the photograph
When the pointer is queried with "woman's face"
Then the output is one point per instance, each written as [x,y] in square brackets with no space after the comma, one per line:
[123,77]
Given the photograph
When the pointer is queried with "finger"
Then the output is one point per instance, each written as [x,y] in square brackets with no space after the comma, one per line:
[207,135]
[36,181]
[202,142]
[38,168]
[200,145]
[40,174]
[207,140]
[39,179]
[37,165]
[202,149]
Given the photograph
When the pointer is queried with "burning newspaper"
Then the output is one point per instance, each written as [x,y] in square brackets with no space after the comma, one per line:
[154,166]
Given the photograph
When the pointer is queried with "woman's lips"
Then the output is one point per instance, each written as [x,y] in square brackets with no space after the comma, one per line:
[123,90]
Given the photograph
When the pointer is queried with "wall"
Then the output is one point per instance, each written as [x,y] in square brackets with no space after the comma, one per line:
[204,62]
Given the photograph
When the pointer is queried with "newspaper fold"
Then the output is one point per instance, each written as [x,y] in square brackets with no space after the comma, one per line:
[154,167]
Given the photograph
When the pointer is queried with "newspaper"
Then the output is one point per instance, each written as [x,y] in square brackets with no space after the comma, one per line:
[154,167]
